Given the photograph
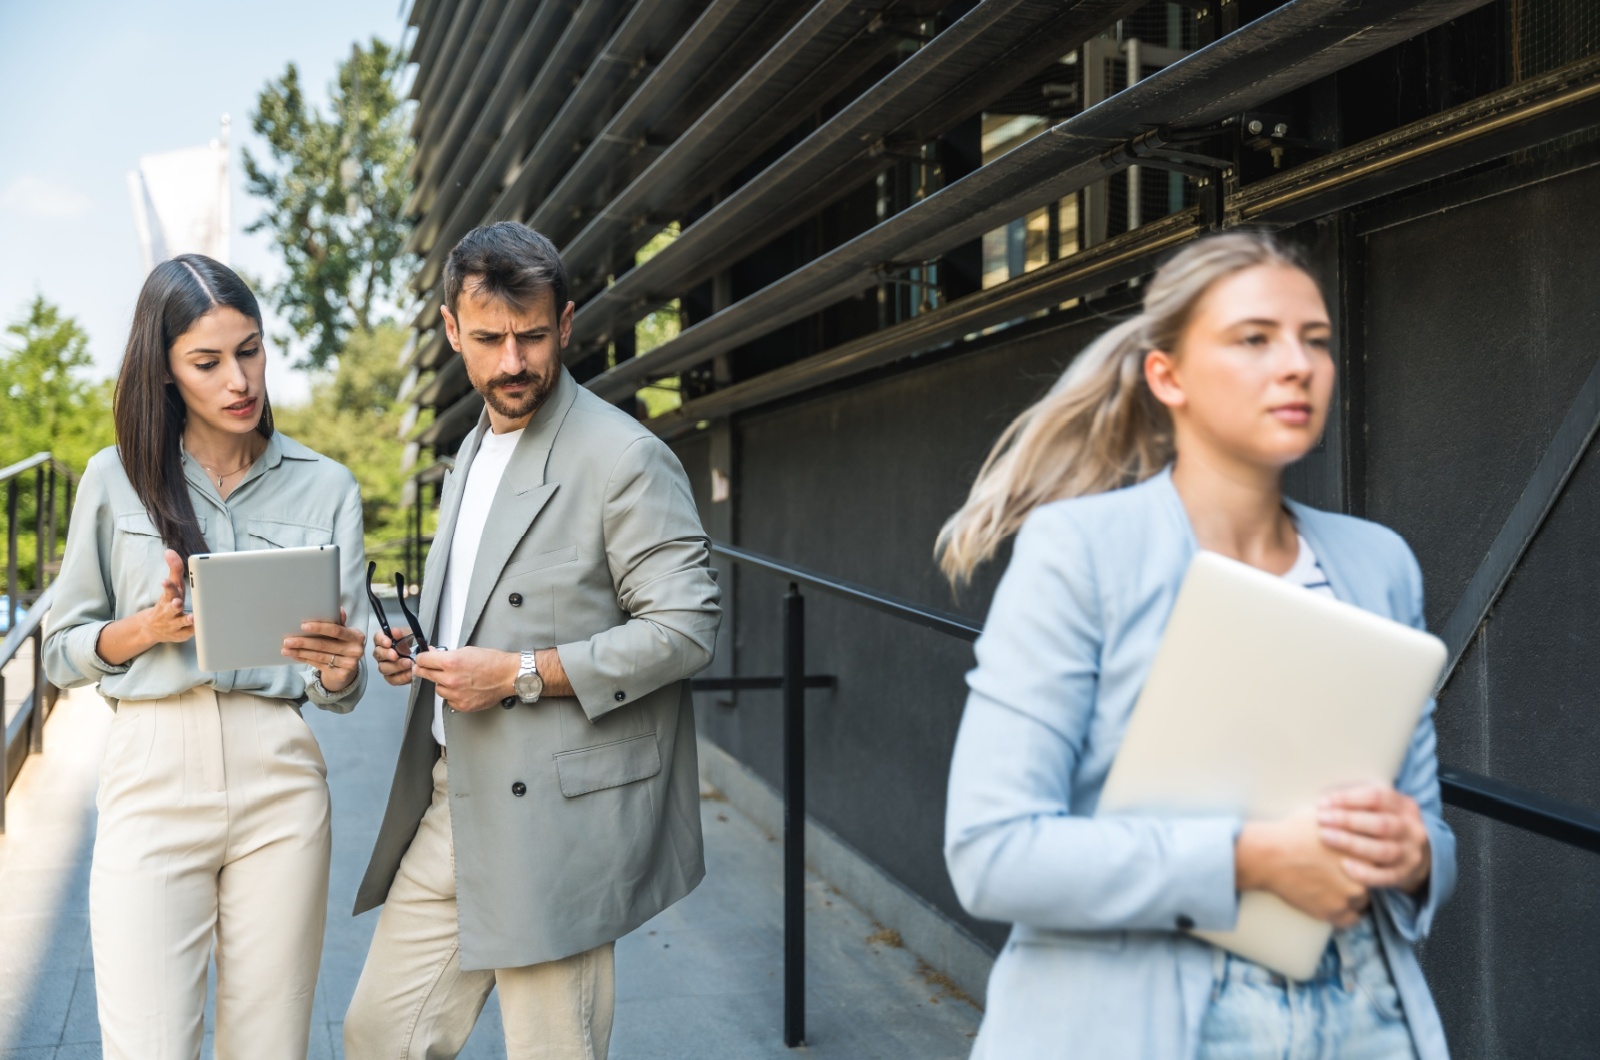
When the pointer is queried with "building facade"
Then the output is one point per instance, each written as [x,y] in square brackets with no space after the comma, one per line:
[829,249]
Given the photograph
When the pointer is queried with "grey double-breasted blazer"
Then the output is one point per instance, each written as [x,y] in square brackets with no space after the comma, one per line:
[574,819]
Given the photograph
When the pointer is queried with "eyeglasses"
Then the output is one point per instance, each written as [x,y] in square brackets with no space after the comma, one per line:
[414,639]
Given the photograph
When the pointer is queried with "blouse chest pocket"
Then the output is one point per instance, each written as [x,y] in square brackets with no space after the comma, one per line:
[273,533]
[136,534]
[138,560]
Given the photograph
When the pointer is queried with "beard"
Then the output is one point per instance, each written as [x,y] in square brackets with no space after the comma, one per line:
[527,404]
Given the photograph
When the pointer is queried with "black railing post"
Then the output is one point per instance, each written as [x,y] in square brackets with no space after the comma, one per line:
[38,532]
[52,527]
[11,554]
[36,718]
[794,817]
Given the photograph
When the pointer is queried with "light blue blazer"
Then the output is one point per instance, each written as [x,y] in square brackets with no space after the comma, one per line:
[1095,966]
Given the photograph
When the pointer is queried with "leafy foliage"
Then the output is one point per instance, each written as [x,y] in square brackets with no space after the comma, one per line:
[49,403]
[656,329]
[354,417]
[335,190]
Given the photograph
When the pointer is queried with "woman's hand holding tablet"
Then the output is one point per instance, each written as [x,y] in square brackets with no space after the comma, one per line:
[333,648]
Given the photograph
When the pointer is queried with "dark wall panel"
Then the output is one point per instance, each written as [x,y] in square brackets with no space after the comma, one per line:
[1481,325]
[856,484]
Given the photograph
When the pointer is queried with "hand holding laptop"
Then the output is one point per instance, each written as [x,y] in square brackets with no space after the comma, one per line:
[1288,858]
[1326,864]
[1381,834]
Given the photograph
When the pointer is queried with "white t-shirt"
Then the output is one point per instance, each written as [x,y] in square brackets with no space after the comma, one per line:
[1307,572]
[477,494]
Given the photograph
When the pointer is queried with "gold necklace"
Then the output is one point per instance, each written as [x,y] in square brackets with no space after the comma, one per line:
[222,477]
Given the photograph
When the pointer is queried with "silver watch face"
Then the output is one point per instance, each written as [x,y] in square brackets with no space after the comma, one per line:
[529,686]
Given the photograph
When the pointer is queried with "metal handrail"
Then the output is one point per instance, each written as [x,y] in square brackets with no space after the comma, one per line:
[1523,808]
[28,465]
[28,627]
[946,622]
[24,734]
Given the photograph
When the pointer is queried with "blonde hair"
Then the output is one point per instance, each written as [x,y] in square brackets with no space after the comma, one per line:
[1099,427]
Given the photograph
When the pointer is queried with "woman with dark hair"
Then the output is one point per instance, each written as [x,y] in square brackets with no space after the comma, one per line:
[213,796]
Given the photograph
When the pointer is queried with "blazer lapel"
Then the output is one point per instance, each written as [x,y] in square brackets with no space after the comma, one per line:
[522,495]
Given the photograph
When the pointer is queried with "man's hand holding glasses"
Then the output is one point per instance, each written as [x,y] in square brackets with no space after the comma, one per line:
[394,649]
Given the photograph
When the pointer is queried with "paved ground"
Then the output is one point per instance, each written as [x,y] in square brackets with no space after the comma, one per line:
[702,980]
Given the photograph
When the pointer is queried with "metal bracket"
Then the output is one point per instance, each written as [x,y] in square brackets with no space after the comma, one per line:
[1159,148]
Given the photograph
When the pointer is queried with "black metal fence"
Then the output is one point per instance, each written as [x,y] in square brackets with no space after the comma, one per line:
[1519,807]
[24,609]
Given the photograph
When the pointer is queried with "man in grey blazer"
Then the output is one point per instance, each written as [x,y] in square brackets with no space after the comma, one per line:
[546,799]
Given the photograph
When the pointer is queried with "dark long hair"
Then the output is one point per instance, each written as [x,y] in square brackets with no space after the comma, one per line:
[148,410]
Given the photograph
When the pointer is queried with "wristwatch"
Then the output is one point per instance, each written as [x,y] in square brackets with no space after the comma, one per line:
[529,685]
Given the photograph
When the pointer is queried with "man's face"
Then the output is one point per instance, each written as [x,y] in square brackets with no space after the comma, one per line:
[512,356]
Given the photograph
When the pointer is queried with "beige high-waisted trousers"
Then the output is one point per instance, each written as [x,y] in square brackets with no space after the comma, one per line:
[213,823]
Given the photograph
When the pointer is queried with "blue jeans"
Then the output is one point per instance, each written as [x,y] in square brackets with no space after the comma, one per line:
[1347,1010]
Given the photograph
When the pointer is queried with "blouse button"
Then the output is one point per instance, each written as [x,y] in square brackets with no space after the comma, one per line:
[515,599]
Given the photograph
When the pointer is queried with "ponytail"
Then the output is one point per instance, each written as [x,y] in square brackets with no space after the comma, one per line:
[1099,428]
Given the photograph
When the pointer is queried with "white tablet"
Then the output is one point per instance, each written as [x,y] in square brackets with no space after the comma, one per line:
[1263,697]
[245,603]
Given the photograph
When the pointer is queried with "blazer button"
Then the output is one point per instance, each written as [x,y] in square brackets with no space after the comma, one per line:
[1185,922]
[519,789]
[621,696]
[509,702]
[515,599]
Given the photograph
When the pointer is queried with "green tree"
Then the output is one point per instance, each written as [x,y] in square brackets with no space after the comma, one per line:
[49,403]
[354,417]
[335,188]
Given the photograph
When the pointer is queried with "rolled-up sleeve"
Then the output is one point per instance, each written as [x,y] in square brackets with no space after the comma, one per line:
[349,530]
[659,557]
[84,602]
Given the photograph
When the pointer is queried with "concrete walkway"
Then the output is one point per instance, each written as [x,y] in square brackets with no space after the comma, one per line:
[702,980]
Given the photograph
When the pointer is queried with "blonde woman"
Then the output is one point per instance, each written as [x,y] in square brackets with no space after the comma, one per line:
[1167,435]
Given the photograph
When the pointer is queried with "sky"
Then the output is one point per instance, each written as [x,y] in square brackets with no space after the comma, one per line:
[87,87]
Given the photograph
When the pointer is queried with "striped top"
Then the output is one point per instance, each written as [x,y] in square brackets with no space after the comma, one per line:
[1307,572]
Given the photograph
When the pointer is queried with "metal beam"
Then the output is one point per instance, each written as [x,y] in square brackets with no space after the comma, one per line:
[955,74]
[577,49]
[431,75]
[429,39]
[1525,115]
[1530,112]
[514,84]
[438,145]
[1118,259]
[832,43]
[1283,50]
[652,26]
[726,30]
[466,60]
[1539,496]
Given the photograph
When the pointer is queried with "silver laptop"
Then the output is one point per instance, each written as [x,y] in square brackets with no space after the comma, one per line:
[245,603]
[1263,697]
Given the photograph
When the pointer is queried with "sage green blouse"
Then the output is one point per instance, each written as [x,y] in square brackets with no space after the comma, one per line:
[113,568]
